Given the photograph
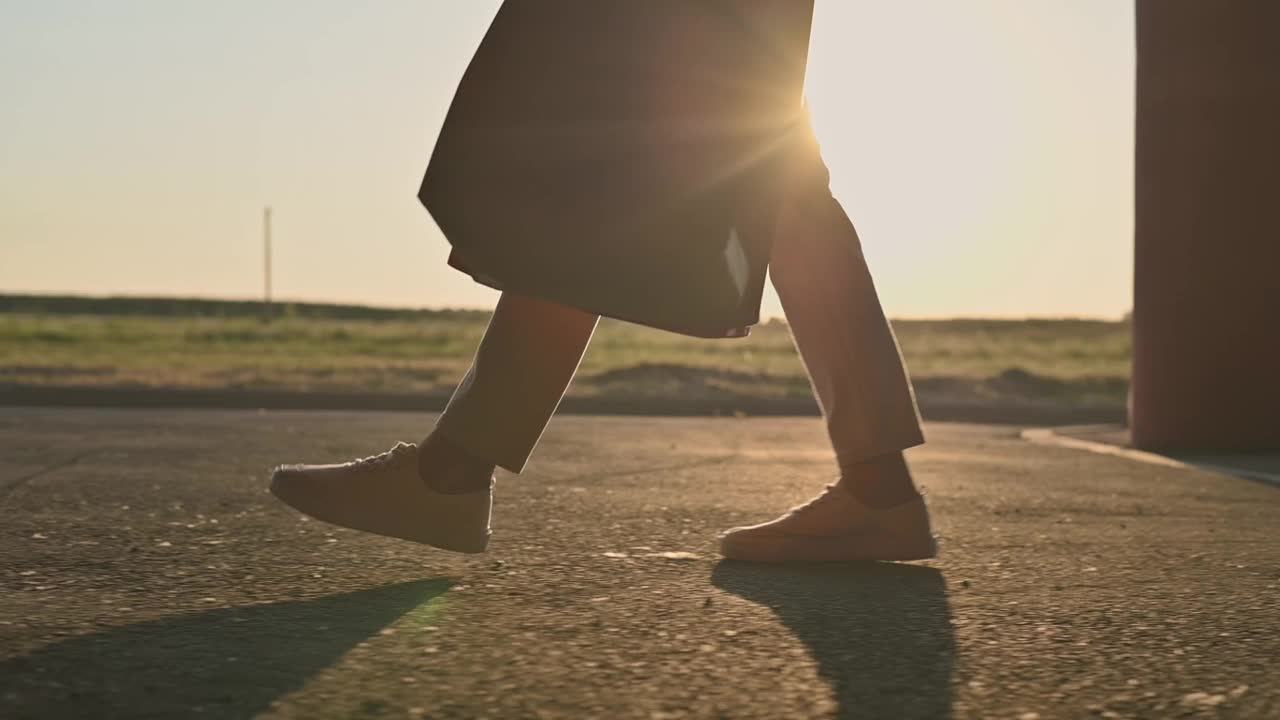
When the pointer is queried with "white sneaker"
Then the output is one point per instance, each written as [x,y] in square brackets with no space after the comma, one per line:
[836,526]
[383,494]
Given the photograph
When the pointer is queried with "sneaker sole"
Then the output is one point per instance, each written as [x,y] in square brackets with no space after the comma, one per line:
[801,549]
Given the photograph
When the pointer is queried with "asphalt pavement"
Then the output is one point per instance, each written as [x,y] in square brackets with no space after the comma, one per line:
[146,573]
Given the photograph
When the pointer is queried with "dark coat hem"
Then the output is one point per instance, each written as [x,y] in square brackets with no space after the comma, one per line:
[458,263]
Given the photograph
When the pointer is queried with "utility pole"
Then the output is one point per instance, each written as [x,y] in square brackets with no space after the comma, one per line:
[266,262]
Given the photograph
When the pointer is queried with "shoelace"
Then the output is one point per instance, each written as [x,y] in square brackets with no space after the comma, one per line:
[822,497]
[381,458]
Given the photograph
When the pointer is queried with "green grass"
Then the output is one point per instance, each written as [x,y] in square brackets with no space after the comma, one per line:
[228,346]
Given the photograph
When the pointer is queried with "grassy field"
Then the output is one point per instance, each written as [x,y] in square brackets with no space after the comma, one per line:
[306,347]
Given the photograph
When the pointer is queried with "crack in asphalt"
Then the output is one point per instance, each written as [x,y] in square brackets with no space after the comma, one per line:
[7,487]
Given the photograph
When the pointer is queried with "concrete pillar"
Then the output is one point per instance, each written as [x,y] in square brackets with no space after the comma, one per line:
[1206,322]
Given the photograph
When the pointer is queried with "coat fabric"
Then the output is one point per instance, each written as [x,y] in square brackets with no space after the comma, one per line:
[626,158]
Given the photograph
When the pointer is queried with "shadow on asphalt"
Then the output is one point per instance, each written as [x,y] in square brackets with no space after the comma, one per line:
[881,632]
[231,663]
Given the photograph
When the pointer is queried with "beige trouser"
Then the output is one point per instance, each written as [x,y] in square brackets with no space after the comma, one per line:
[532,347]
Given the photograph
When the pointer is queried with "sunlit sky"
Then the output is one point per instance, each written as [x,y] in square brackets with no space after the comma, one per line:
[983,148]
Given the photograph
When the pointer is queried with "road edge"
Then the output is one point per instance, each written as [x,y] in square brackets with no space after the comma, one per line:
[1049,436]
[939,410]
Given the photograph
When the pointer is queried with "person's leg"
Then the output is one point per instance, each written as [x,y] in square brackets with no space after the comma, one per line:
[874,511]
[845,341]
[440,493]
[522,368]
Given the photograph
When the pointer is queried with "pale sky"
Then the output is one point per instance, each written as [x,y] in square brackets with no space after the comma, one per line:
[983,148]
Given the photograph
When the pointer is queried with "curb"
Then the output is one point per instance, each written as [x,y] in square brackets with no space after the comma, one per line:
[1049,436]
